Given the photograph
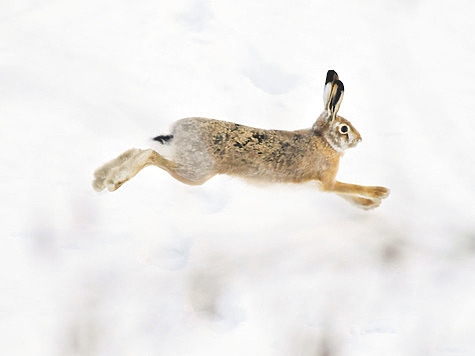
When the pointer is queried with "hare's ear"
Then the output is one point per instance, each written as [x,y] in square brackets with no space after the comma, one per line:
[332,97]
[331,77]
[336,96]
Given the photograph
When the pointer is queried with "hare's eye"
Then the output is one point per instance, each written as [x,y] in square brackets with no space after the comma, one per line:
[343,129]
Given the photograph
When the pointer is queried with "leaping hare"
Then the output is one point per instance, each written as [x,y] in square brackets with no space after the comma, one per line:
[202,148]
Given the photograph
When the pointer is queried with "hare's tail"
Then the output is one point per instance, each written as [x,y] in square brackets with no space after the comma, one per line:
[163,138]
[164,145]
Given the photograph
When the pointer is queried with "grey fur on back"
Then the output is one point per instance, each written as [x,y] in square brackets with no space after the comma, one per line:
[190,151]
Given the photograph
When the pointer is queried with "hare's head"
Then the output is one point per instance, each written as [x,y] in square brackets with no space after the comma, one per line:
[337,131]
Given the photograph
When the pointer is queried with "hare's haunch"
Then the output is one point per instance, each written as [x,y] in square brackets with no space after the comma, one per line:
[202,148]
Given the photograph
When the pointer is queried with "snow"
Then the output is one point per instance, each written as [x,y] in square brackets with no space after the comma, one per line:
[227,268]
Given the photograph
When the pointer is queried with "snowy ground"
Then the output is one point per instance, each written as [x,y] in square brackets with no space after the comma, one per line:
[160,268]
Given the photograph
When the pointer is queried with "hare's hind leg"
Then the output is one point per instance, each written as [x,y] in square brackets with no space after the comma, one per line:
[133,165]
[102,173]
[118,171]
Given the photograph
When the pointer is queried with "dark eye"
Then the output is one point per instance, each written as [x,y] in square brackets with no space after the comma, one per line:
[343,129]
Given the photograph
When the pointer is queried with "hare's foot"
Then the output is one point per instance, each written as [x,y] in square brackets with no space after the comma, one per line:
[377,192]
[116,178]
[101,175]
[363,203]
[128,169]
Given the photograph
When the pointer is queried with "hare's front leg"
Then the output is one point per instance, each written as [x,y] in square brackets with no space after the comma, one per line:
[361,202]
[365,191]
[366,197]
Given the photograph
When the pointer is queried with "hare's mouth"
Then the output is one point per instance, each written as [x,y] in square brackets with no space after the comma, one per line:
[355,142]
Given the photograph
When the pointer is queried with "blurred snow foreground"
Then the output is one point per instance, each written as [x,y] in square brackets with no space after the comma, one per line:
[160,268]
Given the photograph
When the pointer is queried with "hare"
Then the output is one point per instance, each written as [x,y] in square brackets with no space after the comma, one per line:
[202,148]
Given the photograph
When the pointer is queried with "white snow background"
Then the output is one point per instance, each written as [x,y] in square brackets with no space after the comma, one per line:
[227,268]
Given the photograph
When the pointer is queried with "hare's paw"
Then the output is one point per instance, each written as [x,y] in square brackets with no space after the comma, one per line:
[98,184]
[378,192]
[127,170]
[368,204]
[114,185]
[362,203]
[105,178]
[102,175]
[117,176]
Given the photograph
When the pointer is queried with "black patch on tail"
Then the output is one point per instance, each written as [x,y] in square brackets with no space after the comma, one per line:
[163,138]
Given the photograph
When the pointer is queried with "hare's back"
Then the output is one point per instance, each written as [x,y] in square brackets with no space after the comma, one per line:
[247,151]
[221,138]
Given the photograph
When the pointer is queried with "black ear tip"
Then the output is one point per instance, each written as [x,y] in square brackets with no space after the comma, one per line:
[331,76]
[340,85]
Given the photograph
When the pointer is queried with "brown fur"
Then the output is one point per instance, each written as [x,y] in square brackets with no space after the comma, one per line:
[270,155]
